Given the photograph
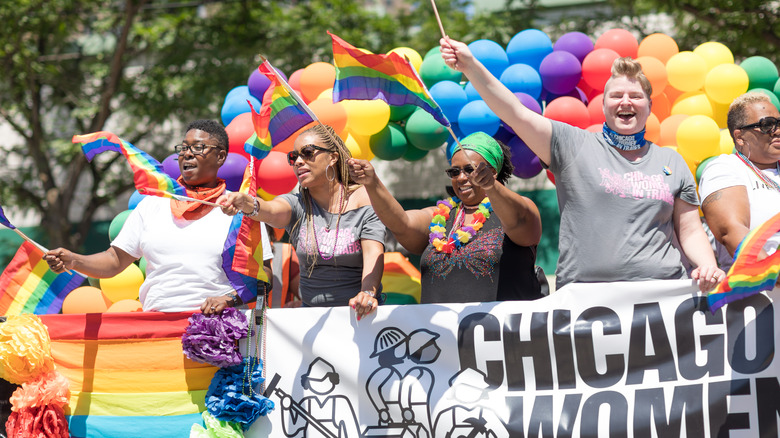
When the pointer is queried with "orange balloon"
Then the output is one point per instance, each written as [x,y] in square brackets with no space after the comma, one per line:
[316,78]
[596,110]
[655,71]
[673,94]
[653,129]
[658,45]
[619,40]
[661,106]
[85,299]
[329,113]
[125,306]
[669,129]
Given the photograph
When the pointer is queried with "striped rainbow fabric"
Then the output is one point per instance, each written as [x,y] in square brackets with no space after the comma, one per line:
[27,285]
[147,172]
[128,375]
[365,76]
[282,115]
[748,275]
[4,220]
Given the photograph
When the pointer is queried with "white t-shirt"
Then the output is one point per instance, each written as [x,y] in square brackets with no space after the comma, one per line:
[183,257]
[729,171]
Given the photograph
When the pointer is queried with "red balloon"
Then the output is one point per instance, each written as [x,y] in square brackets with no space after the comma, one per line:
[596,110]
[597,67]
[238,131]
[550,176]
[295,81]
[275,175]
[620,40]
[569,110]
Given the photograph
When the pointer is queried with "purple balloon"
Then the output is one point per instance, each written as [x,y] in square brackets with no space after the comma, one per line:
[232,170]
[257,84]
[575,93]
[527,164]
[529,102]
[171,166]
[576,43]
[560,72]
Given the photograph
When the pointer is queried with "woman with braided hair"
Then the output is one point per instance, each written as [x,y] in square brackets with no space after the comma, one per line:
[337,236]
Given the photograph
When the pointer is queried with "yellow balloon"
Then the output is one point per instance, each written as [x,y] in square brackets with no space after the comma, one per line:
[410,54]
[359,146]
[726,142]
[720,112]
[366,117]
[123,286]
[714,54]
[726,82]
[686,71]
[326,94]
[698,138]
[693,103]
[265,196]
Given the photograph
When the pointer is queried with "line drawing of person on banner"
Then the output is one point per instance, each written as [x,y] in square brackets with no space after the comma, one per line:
[324,415]
[473,417]
[402,400]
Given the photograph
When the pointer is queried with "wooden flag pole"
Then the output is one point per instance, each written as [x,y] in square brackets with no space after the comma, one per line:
[438,19]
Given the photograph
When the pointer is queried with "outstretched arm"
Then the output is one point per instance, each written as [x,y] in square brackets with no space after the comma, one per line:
[276,213]
[696,246]
[104,264]
[534,129]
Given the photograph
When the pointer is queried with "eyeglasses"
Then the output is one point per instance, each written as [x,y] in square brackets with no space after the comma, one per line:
[307,153]
[767,125]
[453,172]
[197,148]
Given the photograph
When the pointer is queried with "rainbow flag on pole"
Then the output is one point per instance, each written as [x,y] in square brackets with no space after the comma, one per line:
[748,275]
[282,115]
[27,285]
[147,172]
[365,76]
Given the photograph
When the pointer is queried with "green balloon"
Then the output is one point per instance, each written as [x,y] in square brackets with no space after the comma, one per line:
[94,282]
[424,132]
[700,168]
[142,265]
[776,89]
[775,100]
[435,50]
[414,154]
[433,70]
[398,113]
[762,72]
[389,143]
[117,223]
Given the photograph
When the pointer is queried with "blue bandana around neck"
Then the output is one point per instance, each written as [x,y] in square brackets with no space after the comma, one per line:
[624,142]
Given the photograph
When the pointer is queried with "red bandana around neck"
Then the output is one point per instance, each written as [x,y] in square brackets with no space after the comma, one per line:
[192,210]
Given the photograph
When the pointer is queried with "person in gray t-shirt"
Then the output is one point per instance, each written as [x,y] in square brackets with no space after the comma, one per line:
[622,198]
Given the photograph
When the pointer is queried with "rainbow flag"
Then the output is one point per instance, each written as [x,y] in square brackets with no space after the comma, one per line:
[27,285]
[748,275]
[4,220]
[128,376]
[147,172]
[401,281]
[365,76]
[282,115]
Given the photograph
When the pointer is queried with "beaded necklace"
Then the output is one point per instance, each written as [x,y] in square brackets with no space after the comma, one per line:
[327,228]
[768,181]
[460,233]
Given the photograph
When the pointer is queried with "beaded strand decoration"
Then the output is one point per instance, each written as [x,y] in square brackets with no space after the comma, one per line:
[758,172]
[458,236]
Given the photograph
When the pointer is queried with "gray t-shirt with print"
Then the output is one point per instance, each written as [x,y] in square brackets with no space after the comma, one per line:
[335,249]
[616,215]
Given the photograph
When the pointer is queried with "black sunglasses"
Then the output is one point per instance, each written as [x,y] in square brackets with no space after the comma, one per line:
[307,153]
[767,125]
[453,172]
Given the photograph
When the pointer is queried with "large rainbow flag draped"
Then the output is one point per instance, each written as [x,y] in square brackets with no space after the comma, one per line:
[748,275]
[282,115]
[400,280]
[128,376]
[147,172]
[27,285]
[365,76]
[4,220]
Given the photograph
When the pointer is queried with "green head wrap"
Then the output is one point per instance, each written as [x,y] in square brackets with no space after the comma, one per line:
[487,147]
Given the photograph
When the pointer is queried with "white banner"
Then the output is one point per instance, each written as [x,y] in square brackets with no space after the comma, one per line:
[639,359]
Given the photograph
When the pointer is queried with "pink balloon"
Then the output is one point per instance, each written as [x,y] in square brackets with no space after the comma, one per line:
[275,175]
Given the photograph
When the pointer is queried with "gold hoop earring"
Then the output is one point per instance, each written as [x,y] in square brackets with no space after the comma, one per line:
[328,176]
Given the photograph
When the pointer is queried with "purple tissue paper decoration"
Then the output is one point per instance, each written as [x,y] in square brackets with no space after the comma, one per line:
[213,339]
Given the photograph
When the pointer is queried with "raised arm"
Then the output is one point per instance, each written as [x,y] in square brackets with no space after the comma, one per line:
[276,212]
[728,215]
[410,228]
[696,246]
[534,129]
[104,264]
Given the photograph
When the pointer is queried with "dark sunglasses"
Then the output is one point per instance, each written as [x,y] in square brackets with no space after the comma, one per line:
[307,153]
[454,172]
[767,125]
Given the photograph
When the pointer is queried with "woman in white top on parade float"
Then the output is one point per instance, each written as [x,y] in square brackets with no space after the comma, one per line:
[622,199]
[338,238]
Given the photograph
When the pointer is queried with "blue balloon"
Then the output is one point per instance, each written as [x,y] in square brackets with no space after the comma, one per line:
[491,55]
[135,198]
[236,103]
[560,72]
[471,92]
[529,47]
[576,43]
[232,171]
[476,116]
[450,97]
[522,78]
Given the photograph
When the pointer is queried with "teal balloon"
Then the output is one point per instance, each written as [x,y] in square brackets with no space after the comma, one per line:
[116,224]
[433,70]
[398,113]
[776,89]
[435,51]
[424,132]
[390,143]
[414,154]
[142,265]
[775,100]
[700,168]
[762,73]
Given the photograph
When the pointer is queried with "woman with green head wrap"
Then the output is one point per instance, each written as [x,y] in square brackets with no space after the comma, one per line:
[479,245]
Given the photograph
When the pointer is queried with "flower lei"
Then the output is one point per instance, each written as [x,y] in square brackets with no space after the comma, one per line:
[461,235]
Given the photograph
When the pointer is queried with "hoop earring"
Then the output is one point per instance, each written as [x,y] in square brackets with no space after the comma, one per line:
[328,176]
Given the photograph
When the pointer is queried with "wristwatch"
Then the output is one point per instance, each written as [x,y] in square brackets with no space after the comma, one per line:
[234,300]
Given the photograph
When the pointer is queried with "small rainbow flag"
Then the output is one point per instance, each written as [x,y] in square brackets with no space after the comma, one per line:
[748,275]
[282,115]
[4,220]
[147,172]
[365,76]
[28,286]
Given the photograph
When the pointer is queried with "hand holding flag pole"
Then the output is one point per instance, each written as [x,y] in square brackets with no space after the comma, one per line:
[4,221]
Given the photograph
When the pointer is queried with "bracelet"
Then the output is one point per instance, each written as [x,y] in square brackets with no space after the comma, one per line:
[235,300]
[256,208]
[370,293]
